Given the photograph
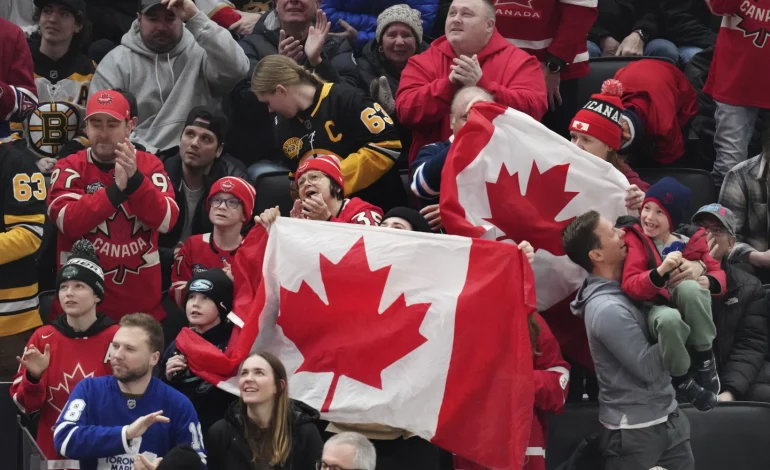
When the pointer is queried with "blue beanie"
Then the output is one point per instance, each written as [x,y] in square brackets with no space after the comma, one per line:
[672,196]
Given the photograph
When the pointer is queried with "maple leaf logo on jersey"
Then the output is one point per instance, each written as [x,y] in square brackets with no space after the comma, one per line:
[58,396]
[749,30]
[752,22]
[531,216]
[125,250]
[521,3]
[349,336]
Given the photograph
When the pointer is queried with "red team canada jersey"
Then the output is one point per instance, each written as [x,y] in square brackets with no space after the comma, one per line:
[72,359]
[84,202]
[742,54]
[358,211]
[551,379]
[199,253]
[559,27]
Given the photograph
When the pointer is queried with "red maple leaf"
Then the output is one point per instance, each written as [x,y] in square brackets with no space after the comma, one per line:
[531,216]
[58,395]
[125,246]
[348,336]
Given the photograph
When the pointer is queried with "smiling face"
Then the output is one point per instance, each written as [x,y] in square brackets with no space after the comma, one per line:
[130,354]
[399,43]
[199,147]
[612,249]
[256,381]
[225,210]
[469,25]
[296,11]
[58,24]
[202,312]
[590,144]
[655,222]
[77,298]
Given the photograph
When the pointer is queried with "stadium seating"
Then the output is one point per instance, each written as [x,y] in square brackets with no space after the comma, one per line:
[273,186]
[700,181]
[732,436]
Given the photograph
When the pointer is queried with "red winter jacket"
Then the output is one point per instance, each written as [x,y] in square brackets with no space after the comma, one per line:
[424,97]
[742,54]
[556,27]
[551,382]
[636,271]
[17,83]
[660,94]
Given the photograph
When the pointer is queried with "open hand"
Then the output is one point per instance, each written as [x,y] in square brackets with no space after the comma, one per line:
[350,33]
[245,25]
[433,216]
[184,9]
[143,423]
[296,210]
[34,361]
[316,38]
[289,47]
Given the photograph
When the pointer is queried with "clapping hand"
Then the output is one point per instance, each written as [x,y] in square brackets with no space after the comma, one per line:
[125,163]
[289,47]
[466,71]
[316,38]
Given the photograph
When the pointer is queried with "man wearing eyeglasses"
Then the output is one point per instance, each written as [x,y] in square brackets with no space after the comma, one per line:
[740,315]
[201,161]
[348,451]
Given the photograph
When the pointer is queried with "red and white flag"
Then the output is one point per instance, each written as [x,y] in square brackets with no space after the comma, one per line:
[419,332]
[507,177]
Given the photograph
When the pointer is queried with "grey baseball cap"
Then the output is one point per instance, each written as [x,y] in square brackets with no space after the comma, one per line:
[723,214]
[145,5]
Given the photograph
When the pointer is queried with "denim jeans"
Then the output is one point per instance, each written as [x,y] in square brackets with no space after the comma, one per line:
[686,54]
[655,48]
[734,127]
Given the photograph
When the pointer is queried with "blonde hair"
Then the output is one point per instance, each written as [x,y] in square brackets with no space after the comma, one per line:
[275,70]
[276,447]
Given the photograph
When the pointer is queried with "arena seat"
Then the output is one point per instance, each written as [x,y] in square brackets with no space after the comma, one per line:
[404,174]
[273,186]
[733,435]
[700,181]
[46,299]
[9,444]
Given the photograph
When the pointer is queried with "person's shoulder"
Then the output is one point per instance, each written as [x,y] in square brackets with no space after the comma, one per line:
[142,156]
[746,166]
[75,160]
[44,334]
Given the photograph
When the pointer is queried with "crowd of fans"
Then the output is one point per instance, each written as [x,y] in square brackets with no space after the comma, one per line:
[127,129]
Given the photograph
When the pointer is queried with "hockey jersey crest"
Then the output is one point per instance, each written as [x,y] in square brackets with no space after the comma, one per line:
[85,202]
[62,89]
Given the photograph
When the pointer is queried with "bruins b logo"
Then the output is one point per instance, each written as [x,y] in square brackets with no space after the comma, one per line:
[51,126]
[292,147]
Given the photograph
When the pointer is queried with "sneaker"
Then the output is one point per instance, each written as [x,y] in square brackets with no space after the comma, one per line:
[689,391]
[705,373]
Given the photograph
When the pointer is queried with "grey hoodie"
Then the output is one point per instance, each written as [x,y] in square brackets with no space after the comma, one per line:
[205,65]
[634,387]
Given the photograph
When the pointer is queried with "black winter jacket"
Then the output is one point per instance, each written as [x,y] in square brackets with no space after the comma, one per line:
[227,449]
[689,23]
[251,133]
[619,18]
[223,166]
[741,344]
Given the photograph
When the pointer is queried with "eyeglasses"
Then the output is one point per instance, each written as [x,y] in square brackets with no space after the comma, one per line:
[230,202]
[311,177]
[715,229]
[321,465]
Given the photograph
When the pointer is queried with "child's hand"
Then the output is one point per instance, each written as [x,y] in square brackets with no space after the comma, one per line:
[671,262]
[528,250]
[704,282]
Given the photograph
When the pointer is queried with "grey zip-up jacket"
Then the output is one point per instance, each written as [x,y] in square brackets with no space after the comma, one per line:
[205,65]
[634,386]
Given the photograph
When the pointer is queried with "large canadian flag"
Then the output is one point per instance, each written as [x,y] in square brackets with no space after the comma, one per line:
[508,178]
[421,332]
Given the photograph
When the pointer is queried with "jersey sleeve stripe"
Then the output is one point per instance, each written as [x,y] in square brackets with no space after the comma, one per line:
[60,219]
[63,450]
[61,426]
[389,148]
[16,401]
[164,226]
[123,438]
[36,229]
[23,219]
[581,3]
[420,187]
[18,306]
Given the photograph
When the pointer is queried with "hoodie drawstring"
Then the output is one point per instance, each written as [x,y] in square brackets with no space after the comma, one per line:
[157,79]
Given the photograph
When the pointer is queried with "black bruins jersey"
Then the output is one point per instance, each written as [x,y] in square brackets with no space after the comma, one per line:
[344,122]
[22,213]
[62,90]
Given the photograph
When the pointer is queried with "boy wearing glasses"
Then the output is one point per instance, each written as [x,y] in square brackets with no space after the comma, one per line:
[229,205]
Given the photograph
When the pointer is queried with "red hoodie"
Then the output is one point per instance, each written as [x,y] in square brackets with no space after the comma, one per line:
[424,97]
[636,271]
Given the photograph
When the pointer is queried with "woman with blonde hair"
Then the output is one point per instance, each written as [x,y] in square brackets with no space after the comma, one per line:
[264,429]
[315,118]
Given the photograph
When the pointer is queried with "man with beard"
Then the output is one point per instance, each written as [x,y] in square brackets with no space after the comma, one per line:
[193,171]
[119,199]
[173,59]
[110,421]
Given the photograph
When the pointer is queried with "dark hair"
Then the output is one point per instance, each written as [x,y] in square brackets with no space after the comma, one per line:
[336,190]
[579,238]
[149,325]
[133,106]
[80,40]
[275,445]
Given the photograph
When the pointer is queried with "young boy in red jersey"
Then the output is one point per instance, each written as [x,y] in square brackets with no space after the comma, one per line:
[680,316]
[58,356]
[230,204]
[120,199]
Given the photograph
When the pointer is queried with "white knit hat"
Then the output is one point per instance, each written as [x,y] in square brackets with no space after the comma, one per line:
[399,14]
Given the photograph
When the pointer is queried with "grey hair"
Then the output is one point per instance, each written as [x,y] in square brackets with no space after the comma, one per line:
[365,455]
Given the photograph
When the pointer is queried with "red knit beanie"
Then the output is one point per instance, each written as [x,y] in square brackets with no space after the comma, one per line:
[239,188]
[601,116]
[327,164]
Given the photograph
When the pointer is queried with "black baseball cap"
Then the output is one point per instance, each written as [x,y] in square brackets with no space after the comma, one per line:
[217,121]
[78,6]
[145,5]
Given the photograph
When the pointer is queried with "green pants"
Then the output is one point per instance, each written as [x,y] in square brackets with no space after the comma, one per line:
[690,323]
